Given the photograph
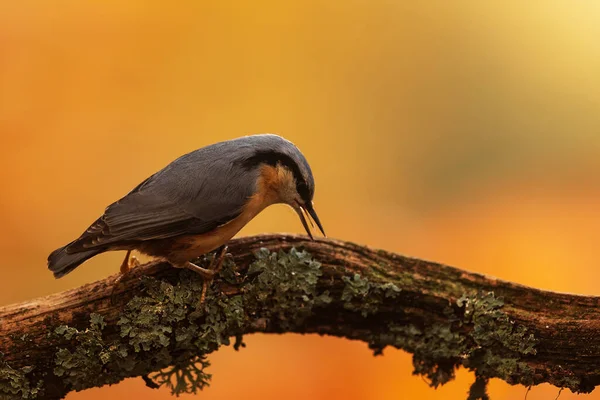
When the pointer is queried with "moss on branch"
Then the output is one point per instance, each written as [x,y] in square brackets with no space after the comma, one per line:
[162,334]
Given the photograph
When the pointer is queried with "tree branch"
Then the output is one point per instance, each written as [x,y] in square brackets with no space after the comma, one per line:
[100,333]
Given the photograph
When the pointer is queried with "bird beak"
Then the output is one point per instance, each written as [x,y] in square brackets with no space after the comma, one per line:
[300,212]
[310,213]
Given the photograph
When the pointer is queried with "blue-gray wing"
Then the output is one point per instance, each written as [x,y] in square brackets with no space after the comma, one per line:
[193,195]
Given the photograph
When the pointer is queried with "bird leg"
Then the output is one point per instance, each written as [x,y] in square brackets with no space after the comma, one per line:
[129,262]
[203,272]
[209,273]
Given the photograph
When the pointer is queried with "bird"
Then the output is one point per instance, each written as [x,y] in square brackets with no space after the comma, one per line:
[197,203]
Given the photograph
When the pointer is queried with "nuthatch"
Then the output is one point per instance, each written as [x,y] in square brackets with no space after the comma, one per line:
[197,203]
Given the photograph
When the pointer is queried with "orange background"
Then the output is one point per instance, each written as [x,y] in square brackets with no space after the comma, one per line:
[461,132]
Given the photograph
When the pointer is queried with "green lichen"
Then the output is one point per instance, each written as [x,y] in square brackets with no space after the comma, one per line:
[89,358]
[366,297]
[164,332]
[436,353]
[187,377]
[568,380]
[498,342]
[475,333]
[164,329]
[286,286]
[17,383]
[147,321]
[165,317]
[491,325]
[436,348]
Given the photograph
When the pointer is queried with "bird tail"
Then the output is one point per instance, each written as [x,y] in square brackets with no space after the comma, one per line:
[61,263]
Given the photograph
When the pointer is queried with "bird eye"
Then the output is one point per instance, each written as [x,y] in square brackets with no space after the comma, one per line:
[302,190]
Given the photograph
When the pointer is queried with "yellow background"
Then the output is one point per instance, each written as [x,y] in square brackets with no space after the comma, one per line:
[461,132]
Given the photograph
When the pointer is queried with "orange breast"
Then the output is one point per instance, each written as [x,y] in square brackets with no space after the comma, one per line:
[191,247]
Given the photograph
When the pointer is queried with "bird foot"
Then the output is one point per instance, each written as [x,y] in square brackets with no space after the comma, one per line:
[208,274]
[128,263]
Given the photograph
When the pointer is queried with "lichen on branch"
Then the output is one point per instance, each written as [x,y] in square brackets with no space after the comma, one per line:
[165,329]
[156,329]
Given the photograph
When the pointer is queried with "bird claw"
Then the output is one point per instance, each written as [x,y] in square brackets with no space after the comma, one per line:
[134,262]
[128,263]
[215,266]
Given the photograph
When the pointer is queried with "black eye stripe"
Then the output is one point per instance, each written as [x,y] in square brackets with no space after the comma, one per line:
[273,158]
[302,190]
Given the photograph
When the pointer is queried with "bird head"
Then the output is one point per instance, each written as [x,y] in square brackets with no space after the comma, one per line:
[287,172]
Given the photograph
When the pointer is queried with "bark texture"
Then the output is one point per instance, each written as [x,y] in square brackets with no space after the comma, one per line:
[100,333]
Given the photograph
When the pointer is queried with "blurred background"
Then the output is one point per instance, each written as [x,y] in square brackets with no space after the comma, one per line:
[461,132]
